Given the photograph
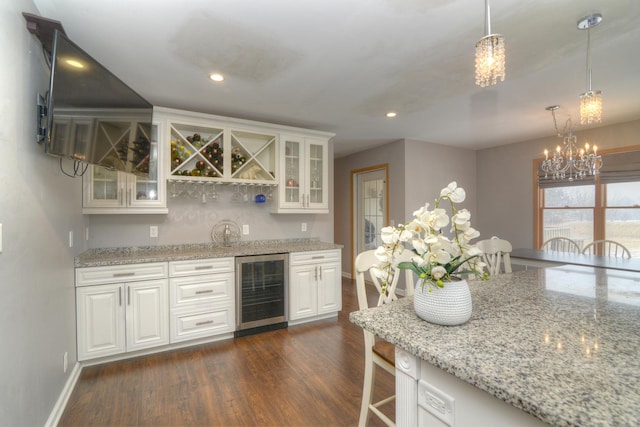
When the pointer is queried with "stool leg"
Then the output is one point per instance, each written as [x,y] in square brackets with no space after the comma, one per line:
[367,390]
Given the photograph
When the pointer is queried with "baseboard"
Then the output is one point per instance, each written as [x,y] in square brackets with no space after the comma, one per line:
[347,275]
[61,403]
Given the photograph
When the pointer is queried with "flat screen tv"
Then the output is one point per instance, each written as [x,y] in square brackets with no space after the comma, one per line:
[92,116]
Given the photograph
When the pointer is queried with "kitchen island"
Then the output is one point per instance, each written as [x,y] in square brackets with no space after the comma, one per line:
[560,344]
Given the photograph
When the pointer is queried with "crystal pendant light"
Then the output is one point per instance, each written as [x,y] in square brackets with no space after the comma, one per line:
[591,100]
[570,162]
[490,56]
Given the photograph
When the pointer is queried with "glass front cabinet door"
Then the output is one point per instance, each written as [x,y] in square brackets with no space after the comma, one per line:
[304,177]
[108,190]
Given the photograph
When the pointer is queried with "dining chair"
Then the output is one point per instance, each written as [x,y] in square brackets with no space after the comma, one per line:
[378,353]
[561,244]
[496,254]
[608,248]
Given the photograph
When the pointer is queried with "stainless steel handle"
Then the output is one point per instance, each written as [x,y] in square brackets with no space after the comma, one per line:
[120,196]
[206,291]
[208,322]
[120,297]
[128,295]
[129,197]
[308,200]
[318,257]
[127,274]
[320,272]
[204,267]
[316,278]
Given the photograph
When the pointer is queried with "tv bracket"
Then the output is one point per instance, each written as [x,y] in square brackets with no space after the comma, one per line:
[44,30]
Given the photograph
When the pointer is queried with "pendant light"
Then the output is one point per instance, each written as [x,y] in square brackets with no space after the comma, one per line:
[490,56]
[591,100]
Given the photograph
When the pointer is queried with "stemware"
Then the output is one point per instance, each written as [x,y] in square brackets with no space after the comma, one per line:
[236,196]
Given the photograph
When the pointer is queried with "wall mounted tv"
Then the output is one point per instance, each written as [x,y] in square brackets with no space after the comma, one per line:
[92,116]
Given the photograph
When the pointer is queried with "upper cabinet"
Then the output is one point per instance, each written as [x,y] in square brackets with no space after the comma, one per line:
[304,175]
[204,148]
[107,191]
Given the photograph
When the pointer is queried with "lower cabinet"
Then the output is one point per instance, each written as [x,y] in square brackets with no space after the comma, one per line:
[202,298]
[315,285]
[121,309]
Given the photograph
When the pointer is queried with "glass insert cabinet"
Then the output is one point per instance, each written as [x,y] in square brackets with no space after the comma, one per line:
[109,190]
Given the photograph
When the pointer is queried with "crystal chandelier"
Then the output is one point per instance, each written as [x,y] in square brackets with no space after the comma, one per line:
[569,162]
[591,100]
[490,56]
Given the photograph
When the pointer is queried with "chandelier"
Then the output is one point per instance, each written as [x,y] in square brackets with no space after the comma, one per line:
[490,56]
[570,162]
[591,100]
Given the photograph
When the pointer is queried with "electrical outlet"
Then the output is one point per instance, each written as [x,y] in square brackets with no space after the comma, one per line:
[65,362]
[71,238]
[303,226]
[153,231]
[245,229]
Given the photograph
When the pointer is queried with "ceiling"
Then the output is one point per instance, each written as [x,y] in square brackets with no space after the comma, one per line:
[341,65]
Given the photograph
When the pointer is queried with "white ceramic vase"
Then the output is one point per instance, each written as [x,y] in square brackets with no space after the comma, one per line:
[447,306]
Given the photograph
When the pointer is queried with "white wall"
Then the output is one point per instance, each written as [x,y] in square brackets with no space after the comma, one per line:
[38,208]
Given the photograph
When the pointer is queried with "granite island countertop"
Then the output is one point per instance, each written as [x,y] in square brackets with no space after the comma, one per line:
[142,254]
[562,343]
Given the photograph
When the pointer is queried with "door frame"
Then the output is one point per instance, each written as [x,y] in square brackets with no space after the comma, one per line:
[354,173]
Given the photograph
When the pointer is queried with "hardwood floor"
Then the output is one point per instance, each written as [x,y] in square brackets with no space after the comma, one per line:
[305,375]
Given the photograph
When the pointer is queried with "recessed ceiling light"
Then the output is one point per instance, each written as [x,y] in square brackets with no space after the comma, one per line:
[391,114]
[216,77]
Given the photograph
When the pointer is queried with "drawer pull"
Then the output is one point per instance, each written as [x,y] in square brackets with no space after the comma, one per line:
[318,257]
[204,267]
[129,274]
[206,291]
[208,322]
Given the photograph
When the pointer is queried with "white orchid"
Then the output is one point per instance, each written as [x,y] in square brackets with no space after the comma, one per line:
[437,257]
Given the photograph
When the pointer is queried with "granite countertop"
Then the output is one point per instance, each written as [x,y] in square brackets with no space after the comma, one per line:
[561,343]
[142,254]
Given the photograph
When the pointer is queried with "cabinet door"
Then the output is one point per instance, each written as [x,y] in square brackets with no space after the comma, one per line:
[147,314]
[317,181]
[103,188]
[303,293]
[329,288]
[291,191]
[148,191]
[100,321]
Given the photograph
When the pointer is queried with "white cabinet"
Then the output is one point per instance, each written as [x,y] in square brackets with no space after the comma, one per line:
[107,191]
[304,175]
[202,298]
[121,309]
[315,285]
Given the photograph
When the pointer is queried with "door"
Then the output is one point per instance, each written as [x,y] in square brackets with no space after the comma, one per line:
[329,287]
[100,321]
[370,207]
[147,314]
[303,294]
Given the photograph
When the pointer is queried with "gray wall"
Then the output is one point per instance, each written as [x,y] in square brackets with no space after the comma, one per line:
[38,208]
[417,172]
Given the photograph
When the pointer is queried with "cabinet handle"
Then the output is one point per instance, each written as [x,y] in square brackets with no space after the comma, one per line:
[320,272]
[120,196]
[129,197]
[308,200]
[204,267]
[120,297]
[206,291]
[318,257]
[128,295]
[316,277]
[208,322]
[127,274]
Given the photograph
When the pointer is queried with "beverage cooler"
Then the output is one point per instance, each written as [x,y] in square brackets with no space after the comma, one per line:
[261,293]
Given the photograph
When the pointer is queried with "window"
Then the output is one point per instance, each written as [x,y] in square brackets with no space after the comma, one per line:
[607,207]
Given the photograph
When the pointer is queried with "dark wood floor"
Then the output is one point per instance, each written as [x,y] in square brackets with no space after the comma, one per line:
[306,375]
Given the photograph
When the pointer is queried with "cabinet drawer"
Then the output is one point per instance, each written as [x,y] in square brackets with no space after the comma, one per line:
[201,322]
[314,257]
[195,289]
[120,273]
[200,266]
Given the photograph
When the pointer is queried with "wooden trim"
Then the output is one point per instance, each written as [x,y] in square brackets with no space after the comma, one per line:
[354,172]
